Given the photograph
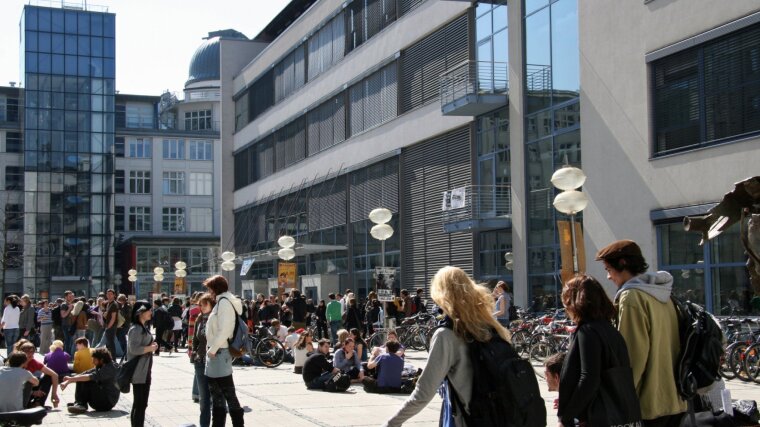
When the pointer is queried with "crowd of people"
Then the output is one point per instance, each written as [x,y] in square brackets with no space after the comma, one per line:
[326,342]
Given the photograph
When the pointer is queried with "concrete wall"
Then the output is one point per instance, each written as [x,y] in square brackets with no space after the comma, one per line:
[624,184]
[234,54]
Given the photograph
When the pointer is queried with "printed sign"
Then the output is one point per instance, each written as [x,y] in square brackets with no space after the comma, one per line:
[384,279]
[286,276]
[247,263]
[454,199]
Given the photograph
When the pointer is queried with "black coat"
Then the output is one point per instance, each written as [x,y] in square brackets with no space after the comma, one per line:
[594,347]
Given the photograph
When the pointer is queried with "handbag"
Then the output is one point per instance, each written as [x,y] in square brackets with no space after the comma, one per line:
[616,402]
[126,372]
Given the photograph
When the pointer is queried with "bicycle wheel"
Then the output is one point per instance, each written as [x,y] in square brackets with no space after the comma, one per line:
[521,343]
[725,367]
[541,347]
[377,339]
[736,361]
[752,362]
[270,352]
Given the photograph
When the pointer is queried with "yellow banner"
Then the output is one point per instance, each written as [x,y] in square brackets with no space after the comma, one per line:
[286,276]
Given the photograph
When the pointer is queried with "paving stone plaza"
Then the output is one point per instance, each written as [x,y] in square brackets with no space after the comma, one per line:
[277,397]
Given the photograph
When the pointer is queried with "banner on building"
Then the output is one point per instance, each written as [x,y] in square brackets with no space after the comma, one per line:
[384,280]
[247,263]
[286,276]
[179,286]
[454,199]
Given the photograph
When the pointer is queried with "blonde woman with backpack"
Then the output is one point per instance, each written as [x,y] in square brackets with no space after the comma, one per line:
[468,309]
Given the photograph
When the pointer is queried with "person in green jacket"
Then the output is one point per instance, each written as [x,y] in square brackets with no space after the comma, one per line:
[648,321]
[334,315]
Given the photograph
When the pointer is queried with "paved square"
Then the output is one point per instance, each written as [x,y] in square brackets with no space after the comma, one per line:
[278,397]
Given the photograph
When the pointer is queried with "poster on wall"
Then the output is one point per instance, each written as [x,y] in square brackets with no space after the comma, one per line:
[384,278]
[286,277]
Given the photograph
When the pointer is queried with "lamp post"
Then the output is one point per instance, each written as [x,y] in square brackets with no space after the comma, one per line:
[180,274]
[286,252]
[570,201]
[158,277]
[382,231]
[133,279]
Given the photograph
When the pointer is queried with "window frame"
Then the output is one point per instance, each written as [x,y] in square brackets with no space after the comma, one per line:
[173,219]
[140,179]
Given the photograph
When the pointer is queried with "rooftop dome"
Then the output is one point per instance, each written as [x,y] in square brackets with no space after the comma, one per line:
[205,62]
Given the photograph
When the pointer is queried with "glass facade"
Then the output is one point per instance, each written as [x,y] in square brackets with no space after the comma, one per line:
[552,133]
[69,72]
[713,274]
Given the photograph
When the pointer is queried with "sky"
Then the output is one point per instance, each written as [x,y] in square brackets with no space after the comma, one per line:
[155,39]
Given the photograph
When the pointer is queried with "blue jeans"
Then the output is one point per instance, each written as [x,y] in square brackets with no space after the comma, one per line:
[68,339]
[201,382]
[319,382]
[334,326]
[11,336]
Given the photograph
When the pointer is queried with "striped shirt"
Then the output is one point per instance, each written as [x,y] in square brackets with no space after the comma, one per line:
[45,316]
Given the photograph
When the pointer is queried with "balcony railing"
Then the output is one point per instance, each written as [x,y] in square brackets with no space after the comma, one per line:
[476,207]
[472,86]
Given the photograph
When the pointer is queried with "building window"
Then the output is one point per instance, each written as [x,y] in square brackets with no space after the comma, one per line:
[174,149]
[493,246]
[118,146]
[201,219]
[139,218]
[9,110]
[13,142]
[121,116]
[140,148]
[14,178]
[14,217]
[201,150]
[174,183]
[118,220]
[713,274]
[173,219]
[118,181]
[140,116]
[374,100]
[139,182]
[201,183]
[707,94]
[198,120]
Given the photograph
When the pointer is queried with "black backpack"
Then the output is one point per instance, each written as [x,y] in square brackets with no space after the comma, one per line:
[505,390]
[56,316]
[701,339]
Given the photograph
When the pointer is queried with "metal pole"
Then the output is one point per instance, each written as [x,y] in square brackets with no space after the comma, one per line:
[572,241]
[382,253]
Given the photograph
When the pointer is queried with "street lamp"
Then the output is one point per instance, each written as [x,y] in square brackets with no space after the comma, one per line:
[229,260]
[158,277]
[180,274]
[381,230]
[570,201]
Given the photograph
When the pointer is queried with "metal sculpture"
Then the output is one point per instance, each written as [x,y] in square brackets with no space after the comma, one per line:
[742,202]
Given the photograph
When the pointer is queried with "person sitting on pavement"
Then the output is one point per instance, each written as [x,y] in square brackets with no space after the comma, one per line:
[348,361]
[302,348]
[292,337]
[57,359]
[360,344]
[389,367]
[342,335]
[95,387]
[13,378]
[278,330]
[83,356]
[316,369]
[48,384]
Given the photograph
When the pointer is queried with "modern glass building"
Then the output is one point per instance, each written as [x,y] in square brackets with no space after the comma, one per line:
[68,69]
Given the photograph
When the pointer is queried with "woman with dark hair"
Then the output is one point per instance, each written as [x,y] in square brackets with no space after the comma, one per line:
[595,346]
[9,324]
[501,294]
[301,349]
[198,356]
[361,345]
[140,344]
[220,327]
[175,311]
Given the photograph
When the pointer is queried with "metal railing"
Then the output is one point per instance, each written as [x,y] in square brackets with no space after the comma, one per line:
[10,114]
[538,77]
[473,78]
[68,4]
[476,202]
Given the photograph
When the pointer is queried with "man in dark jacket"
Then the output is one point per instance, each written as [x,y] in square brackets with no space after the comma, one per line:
[316,369]
[161,321]
[298,307]
[95,387]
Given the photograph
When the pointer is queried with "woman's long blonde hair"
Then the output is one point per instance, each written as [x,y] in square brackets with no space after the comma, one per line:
[469,305]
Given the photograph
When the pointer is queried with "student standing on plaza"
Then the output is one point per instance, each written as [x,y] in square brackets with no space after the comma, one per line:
[26,324]
[66,320]
[321,313]
[647,319]
[10,326]
[163,323]
[111,320]
[140,344]
[334,317]
[220,327]
[126,313]
[595,347]
[192,317]
[198,356]
[468,308]
[175,311]
[353,318]
[501,312]
[45,319]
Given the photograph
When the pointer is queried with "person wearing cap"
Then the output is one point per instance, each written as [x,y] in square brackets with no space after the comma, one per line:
[647,319]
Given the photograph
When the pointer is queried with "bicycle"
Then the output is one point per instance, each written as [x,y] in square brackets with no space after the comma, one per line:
[264,347]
